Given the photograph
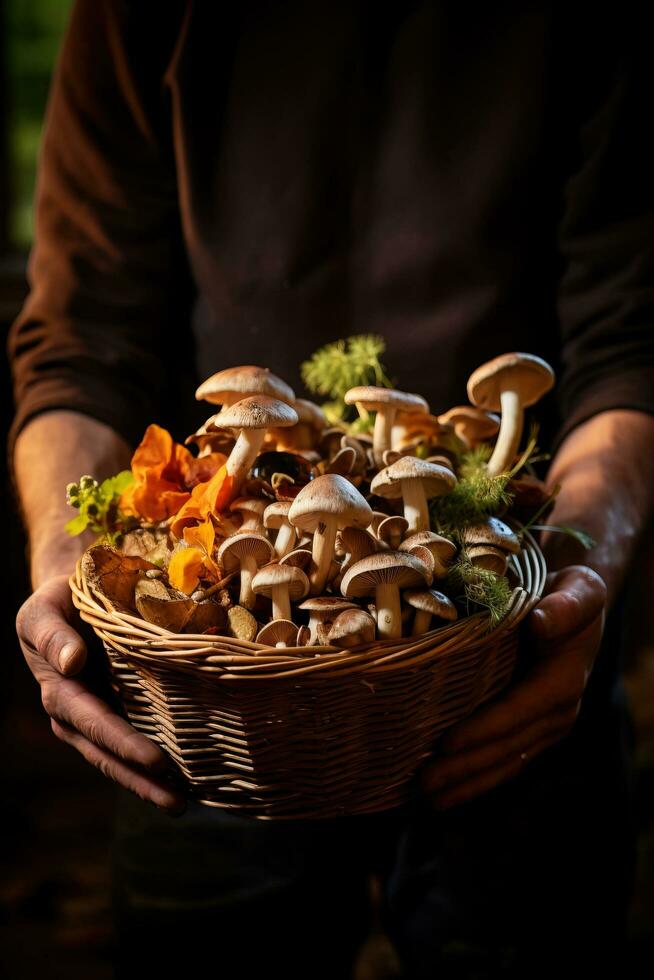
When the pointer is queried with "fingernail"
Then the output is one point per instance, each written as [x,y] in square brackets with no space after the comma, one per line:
[66,656]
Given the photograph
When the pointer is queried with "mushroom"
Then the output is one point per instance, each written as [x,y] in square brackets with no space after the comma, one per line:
[343,462]
[275,517]
[246,553]
[323,506]
[355,544]
[386,402]
[211,442]
[350,628]
[282,584]
[485,556]
[428,603]
[415,481]
[383,575]
[509,383]
[472,425]
[412,428]
[323,610]
[252,417]
[442,549]
[305,434]
[251,510]
[493,532]
[391,531]
[278,633]
[300,557]
[235,383]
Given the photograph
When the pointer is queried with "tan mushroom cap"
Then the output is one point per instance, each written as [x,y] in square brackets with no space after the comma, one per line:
[439,546]
[392,527]
[352,627]
[488,557]
[323,606]
[329,495]
[235,383]
[238,546]
[431,601]
[282,631]
[274,574]
[356,541]
[493,532]
[435,479]
[375,398]
[251,509]
[310,414]
[300,558]
[276,514]
[254,412]
[472,422]
[530,376]
[398,568]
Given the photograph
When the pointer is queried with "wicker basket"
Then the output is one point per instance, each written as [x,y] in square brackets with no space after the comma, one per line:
[306,732]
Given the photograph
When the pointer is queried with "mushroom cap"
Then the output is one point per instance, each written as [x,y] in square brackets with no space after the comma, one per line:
[248,379]
[300,558]
[436,480]
[254,412]
[323,606]
[436,543]
[310,414]
[354,625]
[274,574]
[276,513]
[392,525]
[236,547]
[356,541]
[397,568]
[494,532]
[477,423]
[377,399]
[527,374]
[431,601]
[486,556]
[249,505]
[330,495]
[278,631]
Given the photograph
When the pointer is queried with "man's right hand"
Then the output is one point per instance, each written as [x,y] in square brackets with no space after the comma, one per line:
[55,652]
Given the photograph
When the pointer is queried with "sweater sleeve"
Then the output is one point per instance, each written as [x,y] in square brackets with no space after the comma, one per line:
[606,238]
[106,268]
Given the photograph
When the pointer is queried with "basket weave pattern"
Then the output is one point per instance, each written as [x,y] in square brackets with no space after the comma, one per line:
[306,732]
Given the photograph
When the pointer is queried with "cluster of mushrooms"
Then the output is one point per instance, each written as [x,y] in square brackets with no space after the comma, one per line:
[327,539]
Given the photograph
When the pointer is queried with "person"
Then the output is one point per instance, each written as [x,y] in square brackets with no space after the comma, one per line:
[463,181]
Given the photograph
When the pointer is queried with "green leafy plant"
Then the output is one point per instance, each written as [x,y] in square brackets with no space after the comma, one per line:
[475,496]
[480,586]
[335,368]
[97,504]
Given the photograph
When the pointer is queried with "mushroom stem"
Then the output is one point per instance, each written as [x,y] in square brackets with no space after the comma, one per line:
[242,457]
[248,571]
[322,553]
[281,604]
[421,622]
[389,613]
[284,541]
[416,511]
[381,436]
[509,435]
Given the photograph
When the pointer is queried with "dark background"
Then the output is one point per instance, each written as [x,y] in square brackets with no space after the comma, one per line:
[55,916]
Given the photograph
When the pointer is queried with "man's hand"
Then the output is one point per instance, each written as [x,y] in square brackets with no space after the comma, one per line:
[563,633]
[55,652]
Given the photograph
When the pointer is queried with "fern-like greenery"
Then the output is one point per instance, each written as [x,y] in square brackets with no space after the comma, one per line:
[480,587]
[475,496]
[335,368]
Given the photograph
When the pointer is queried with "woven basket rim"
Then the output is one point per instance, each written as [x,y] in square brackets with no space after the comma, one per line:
[137,639]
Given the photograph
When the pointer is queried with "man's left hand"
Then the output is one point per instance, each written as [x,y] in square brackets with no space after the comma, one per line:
[564,633]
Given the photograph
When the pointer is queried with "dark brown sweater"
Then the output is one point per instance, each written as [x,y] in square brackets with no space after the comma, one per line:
[464,179]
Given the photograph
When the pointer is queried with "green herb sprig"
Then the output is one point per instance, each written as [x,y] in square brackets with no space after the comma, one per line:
[480,586]
[335,368]
[97,504]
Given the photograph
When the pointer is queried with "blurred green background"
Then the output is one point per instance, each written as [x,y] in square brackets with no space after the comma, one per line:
[32,32]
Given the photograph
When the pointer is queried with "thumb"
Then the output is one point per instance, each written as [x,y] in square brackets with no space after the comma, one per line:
[44,627]
[576,597]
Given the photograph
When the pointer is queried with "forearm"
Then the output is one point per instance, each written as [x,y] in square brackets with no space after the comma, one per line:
[606,471]
[55,449]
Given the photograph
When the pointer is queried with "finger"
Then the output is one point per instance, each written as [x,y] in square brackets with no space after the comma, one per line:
[44,630]
[576,597]
[70,703]
[484,781]
[148,789]
[450,770]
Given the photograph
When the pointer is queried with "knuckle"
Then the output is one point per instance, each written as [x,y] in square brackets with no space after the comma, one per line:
[49,699]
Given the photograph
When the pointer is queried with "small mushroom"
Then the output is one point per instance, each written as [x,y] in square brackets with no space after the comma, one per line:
[383,575]
[233,384]
[351,628]
[509,383]
[354,543]
[246,553]
[252,417]
[493,532]
[411,429]
[386,403]
[442,549]
[323,610]
[278,633]
[428,603]
[343,462]
[282,584]
[485,556]
[323,506]
[300,557]
[391,531]
[211,441]
[275,516]
[414,481]
[472,425]
[304,436]
[251,510]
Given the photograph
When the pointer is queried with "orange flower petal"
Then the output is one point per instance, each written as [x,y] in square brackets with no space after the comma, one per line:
[185,569]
